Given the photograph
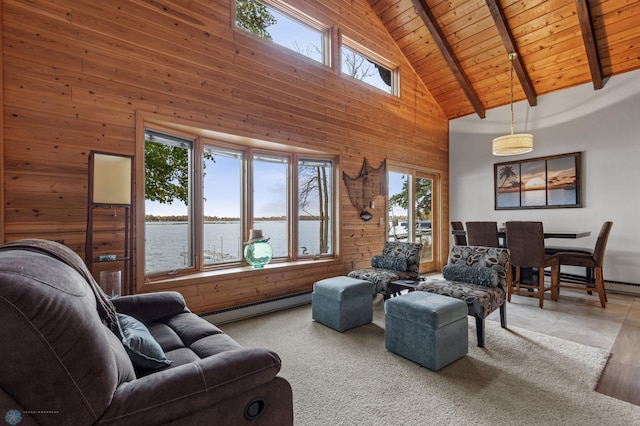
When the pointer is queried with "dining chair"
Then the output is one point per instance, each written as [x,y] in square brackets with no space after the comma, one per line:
[593,260]
[458,240]
[483,234]
[525,241]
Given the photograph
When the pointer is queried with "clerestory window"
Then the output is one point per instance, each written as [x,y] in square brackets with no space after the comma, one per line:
[286,27]
[361,64]
[277,21]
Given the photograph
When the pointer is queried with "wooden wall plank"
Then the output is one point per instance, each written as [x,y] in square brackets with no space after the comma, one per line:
[79,72]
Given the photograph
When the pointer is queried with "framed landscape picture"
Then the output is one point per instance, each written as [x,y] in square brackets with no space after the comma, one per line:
[539,183]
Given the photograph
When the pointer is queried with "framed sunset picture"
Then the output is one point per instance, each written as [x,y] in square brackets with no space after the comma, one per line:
[538,183]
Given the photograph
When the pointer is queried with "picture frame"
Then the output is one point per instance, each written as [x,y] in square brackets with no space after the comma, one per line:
[539,183]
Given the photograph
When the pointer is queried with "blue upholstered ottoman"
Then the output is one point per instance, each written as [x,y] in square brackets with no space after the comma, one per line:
[426,328]
[342,302]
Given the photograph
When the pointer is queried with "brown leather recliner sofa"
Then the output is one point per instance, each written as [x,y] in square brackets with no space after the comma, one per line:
[64,362]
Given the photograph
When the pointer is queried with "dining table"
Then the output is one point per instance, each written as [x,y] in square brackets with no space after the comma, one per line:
[547,234]
[527,273]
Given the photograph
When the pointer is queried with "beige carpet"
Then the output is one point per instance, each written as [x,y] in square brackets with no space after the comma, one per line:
[520,378]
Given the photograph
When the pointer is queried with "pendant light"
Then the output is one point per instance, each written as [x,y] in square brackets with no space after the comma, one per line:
[512,144]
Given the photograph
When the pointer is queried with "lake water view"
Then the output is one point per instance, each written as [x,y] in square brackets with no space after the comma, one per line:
[167,243]
[557,197]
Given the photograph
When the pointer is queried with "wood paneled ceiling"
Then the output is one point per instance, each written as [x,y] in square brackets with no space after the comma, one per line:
[460,48]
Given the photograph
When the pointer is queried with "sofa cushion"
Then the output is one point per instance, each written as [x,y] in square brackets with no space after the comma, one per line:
[140,345]
[480,275]
[396,263]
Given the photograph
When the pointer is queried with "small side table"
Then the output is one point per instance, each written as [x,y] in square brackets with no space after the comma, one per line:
[396,287]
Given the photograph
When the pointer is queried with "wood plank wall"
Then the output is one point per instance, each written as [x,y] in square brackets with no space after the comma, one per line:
[77,72]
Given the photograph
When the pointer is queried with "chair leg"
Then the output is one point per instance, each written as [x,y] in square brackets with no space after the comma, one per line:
[600,287]
[540,287]
[512,281]
[503,315]
[604,290]
[590,279]
[480,331]
[555,282]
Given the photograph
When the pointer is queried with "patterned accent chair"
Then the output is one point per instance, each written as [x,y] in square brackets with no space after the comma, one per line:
[481,299]
[398,261]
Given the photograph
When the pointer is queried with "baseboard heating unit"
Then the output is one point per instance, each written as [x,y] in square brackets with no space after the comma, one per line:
[622,287]
[632,289]
[249,310]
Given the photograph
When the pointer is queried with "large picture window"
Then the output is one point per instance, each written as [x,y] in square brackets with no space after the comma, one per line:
[270,200]
[168,202]
[315,207]
[202,198]
[222,205]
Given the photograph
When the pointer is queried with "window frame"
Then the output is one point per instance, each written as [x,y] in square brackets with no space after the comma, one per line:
[369,54]
[220,146]
[300,18]
[248,147]
[331,198]
[194,229]
[414,173]
[251,219]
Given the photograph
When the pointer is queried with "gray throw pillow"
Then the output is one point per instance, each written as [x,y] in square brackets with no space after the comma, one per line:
[395,263]
[480,275]
[140,345]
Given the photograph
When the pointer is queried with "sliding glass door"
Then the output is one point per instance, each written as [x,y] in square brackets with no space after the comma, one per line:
[411,211]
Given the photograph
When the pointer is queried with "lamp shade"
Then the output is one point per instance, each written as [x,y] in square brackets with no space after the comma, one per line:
[111,179]
[513,144]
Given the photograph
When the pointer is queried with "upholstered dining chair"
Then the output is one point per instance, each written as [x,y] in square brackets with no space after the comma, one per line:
[525,241]
[458,240]
[483,234]
[594,261]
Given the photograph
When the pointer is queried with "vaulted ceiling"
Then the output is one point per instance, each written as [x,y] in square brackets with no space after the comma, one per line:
[460,48]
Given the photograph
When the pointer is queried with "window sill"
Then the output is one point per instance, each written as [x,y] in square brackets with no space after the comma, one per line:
[238,272]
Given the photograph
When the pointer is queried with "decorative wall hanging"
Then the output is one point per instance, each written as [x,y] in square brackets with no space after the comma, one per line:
[539,183]
[363,188]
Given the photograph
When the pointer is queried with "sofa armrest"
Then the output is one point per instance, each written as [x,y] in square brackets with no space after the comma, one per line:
[175,393]
[150,307]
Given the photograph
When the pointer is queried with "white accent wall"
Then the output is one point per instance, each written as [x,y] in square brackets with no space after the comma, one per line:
[602,124]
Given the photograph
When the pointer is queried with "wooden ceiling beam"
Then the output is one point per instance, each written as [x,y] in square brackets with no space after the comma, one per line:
[584,17]
[509,43]
[432,25]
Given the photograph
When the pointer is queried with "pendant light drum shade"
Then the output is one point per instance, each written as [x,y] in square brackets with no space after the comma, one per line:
[514,144]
